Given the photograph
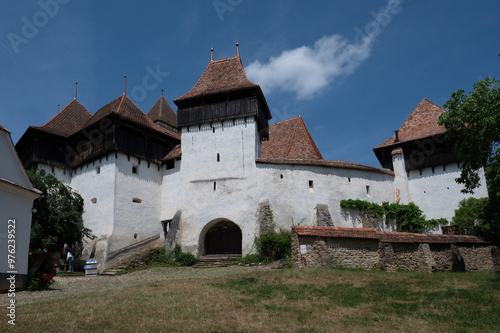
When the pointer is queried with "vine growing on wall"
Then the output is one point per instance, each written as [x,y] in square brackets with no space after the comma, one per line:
[408,218]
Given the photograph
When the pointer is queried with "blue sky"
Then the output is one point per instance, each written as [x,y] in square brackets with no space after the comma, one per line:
[353,69]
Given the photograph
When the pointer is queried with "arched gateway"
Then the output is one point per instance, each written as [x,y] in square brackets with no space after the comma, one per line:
[221,237]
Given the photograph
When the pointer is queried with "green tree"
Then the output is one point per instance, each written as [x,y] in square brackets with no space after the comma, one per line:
[470,217]
[58,217]
[473,123]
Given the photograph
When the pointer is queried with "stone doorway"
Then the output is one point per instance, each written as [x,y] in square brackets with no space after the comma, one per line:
[224,237]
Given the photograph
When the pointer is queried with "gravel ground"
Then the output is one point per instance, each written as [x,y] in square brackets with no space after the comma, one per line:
[64,286]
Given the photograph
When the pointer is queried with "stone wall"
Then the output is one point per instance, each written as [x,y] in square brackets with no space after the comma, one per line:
[372,253]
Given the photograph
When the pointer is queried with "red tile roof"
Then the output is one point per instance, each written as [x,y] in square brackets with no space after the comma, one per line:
[162,111]
[324,163]
[124,107]
[173,154]
[385,236]
[67,122]
[421,123]
[290,139]
[220,76]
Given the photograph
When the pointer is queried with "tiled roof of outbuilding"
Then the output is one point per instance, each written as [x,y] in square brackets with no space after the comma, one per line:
[421,123]
[162,111]
[325,163]
[386,236]
[290,139]
[67,122]
[126,108]
[220,76]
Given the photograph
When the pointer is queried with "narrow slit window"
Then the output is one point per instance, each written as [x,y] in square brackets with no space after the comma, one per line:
[137,200]
[98,170]
[311,186]
[281,176]
[218,157]
[215,186]
[368,191]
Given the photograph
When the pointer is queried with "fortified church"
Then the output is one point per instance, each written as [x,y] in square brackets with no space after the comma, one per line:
[215,175]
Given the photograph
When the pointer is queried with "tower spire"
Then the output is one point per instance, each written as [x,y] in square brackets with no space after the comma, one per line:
[212,53]
[58,105]
[237,48]
[76,89]
[124,84]
[161,92]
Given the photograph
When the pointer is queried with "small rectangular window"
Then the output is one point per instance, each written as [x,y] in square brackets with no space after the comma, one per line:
[368,191]
[218,157]
[93,200]
[311,186]
[137,200]
[98,169]
[135,169]
[215,186]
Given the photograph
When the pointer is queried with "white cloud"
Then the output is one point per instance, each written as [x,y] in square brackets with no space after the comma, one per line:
[307,70]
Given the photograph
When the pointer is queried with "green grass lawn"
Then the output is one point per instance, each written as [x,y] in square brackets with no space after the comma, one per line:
[286,300]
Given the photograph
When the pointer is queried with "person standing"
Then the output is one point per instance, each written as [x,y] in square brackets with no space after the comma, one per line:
[70,258]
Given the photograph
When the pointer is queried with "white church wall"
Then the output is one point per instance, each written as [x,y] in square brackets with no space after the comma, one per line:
[287,188]
[294,202]
[62,174]
[95,183]
[221,150]
[206,190]
[435,191]
[137,202]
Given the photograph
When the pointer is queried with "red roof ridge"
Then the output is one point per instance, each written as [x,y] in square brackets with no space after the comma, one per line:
[311,141]
[291,140]
[212,82]
[131,112]
[385,236]
[68,123]
[421,123]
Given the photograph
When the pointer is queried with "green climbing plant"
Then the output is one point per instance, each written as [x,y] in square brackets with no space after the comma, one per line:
[408,218]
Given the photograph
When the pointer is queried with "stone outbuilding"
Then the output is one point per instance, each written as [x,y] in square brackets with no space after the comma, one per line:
[370,249]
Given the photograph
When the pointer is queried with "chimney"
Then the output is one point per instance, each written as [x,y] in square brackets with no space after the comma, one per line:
[397,136]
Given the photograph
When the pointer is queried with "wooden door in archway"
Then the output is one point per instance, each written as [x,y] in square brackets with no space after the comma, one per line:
[223,238]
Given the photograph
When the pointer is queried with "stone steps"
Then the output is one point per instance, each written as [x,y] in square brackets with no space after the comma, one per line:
[217,260]
[114,270]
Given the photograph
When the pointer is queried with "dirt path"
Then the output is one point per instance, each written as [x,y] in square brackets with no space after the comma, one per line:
[75,285]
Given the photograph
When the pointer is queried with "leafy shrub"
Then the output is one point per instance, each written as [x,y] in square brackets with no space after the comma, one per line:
[157,256]
[274,246]
[470,217]
[184,259]
[250,259]
[40,281]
